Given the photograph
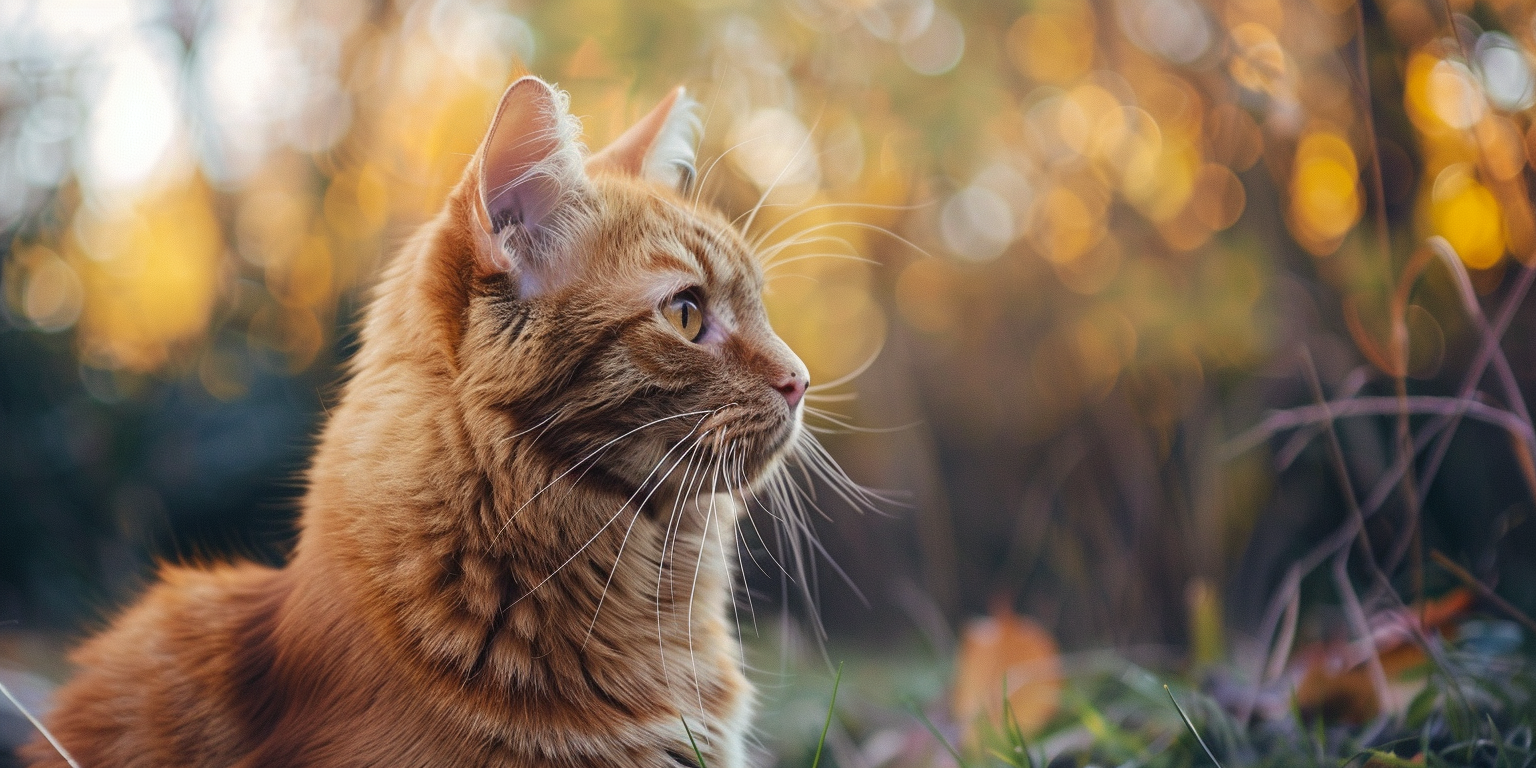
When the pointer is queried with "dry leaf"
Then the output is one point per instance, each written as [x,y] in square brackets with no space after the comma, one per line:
[1008,647]
[1336,684]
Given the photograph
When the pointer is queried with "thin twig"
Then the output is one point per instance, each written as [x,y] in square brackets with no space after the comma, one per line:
[1485,355]
[1443,249]
[1483,590]
[1282,649]
[1491,349]
[1419,405]
[1336,455]
[1351,386]
[1362,627]
[1405,447]
[1442,428]
[1352,608]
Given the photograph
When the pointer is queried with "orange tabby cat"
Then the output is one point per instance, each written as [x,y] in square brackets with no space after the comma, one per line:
[518,533]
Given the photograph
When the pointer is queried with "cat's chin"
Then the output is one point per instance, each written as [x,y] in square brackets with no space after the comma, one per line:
[777,454]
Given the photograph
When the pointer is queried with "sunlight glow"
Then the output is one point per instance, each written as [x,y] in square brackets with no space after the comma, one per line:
[976,224]
[1505,72]
[938,48]
[776,151]
[1467,215]
[1325,191]
[134,119]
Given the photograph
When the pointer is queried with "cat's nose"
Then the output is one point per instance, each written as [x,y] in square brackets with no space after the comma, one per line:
[792,387]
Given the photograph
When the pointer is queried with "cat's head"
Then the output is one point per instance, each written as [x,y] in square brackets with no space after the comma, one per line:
[610,325]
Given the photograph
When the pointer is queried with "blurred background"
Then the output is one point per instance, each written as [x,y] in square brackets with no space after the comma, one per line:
[1070,256]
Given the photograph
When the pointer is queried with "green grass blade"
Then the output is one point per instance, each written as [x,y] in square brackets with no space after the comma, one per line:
[692,743]
[1008,760]
[1188,722]
[1015,734]
[917,709]
[1502,760]
[831,707]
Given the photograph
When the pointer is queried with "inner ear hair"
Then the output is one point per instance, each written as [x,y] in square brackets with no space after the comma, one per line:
[531,177]
[531,157]
[660,147]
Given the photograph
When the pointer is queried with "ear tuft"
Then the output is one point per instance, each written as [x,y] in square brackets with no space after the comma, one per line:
[661,147]
[673,153]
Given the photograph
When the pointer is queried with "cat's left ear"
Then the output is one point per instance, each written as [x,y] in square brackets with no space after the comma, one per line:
[661,147]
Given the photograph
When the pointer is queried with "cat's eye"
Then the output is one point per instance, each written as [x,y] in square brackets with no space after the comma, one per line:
[683,312]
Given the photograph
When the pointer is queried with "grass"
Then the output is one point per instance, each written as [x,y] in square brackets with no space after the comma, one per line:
[821,742]
[1476,708]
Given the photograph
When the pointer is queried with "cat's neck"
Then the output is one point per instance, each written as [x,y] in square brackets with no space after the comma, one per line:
[505,569]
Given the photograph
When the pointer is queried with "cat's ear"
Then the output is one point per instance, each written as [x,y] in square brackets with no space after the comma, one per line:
[661,147]
[531,161]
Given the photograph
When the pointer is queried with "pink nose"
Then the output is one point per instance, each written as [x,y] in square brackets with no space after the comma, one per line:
[792,387]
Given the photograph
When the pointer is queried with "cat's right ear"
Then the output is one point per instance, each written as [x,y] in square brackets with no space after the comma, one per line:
[530,164]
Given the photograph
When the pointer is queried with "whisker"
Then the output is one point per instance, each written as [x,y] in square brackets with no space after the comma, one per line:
[699,187]
[824,206]
[615,516]
[595,452]
[662,558]
[822,255]
[698,184]
[546,423]
[840,422]
[669,537]
[738,471]
[842,398]
[750,498]
[800,239]
[675,522]
[747,227]
[824,466]
[872,227]
[847,377]
[693,589]
[798,526]
[631,528]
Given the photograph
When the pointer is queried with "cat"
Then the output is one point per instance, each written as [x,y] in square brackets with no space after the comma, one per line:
[517,537]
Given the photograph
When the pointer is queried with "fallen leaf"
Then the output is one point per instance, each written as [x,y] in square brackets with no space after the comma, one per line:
[1000,648]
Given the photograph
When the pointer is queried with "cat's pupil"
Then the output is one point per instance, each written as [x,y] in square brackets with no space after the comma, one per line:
[683,313]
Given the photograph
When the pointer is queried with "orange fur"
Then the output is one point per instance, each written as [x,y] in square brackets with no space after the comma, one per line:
[498,564]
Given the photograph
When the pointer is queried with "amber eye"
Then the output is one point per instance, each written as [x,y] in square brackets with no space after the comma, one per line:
[683,312]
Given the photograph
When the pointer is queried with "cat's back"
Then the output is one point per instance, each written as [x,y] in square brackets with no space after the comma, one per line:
[177,678]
